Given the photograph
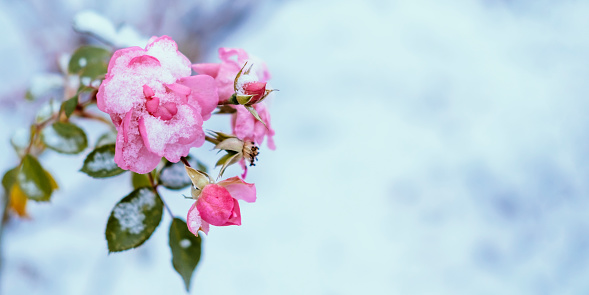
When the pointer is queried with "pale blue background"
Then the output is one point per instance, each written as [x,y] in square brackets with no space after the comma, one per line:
[423,148]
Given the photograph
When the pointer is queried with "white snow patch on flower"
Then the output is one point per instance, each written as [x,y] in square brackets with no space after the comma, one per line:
[130,215]
[185,243]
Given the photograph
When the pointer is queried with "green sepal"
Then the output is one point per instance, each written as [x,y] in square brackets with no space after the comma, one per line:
[186,250]
[227,160]
[100,163]
[64,137]
[244,99]
[33,180]
[133,220]
[255,114]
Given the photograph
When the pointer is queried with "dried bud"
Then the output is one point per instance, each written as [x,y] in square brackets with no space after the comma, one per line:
[236,148]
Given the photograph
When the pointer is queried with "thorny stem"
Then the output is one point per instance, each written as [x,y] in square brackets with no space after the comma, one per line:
[183,159]
[154,185]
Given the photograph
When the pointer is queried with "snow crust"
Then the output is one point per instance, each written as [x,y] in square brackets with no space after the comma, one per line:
[130,215]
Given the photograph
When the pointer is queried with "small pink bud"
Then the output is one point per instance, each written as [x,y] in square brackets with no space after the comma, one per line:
[257,89]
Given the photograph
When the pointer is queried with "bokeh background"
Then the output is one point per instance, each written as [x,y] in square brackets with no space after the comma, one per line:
[424,147]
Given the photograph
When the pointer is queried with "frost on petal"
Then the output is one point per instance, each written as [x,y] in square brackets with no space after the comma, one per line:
[173,138]
[240,189]
[194,222]
[203,93]
[166,51]
[131,154]
[215,205]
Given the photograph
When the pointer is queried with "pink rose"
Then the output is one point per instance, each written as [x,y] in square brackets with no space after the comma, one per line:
[156,106]
[217,204]
[232,60]
[244,125]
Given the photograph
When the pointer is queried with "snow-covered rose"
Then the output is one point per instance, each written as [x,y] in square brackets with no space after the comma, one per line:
[156,105]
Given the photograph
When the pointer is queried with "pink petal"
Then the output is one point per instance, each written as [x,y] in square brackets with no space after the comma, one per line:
[235,218]
[215,205]
[243,123]
[133,155]
[179,88]
[147,91]
[126,124]
[226,55]
[152,104]
[194,222]
[239,189]
[209,69]
[204,93]
[147,60]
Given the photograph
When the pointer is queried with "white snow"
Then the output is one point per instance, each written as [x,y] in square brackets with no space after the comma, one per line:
[130,215]
[65,144]
[89,21]
[102,162]
[185,243]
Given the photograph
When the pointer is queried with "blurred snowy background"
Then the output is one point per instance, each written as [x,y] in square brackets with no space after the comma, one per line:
[423,148]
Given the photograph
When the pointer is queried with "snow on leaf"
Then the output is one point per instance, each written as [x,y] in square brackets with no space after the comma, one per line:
[133,220]
[100,162]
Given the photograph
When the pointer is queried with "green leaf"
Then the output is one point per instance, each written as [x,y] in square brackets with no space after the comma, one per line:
[139,180]
[106,138]
[100,162]
[69,106]
[133,219]
[186,250]
[173,175]
[64,137]
[33,180]
[88,56]
[9,179]
[94,70]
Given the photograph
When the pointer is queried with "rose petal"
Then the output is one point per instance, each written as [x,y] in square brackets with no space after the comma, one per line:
[239,189]
[209,69]
[235,218]
[215,205]
[204,93]
[194,222]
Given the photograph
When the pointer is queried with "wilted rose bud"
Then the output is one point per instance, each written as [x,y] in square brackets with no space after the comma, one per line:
[236,148]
